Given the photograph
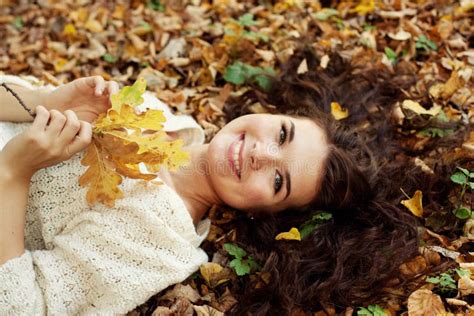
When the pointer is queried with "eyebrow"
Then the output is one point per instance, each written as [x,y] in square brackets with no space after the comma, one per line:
[287,174]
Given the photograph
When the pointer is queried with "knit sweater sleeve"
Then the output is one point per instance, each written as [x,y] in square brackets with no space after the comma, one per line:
[105,261]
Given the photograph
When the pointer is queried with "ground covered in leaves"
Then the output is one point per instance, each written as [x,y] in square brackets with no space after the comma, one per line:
[195,53]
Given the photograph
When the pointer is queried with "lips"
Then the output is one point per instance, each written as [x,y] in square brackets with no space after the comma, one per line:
[230,154]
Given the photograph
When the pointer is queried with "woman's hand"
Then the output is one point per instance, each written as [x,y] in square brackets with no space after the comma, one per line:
[53,137]
[87,97]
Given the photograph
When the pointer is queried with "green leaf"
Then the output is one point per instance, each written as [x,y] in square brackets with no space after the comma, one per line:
[18,23]
[462,272]
[254,36]
[371,310]
[145,25]
[377,310]
[435,132]
[239,73]
[424,43]
[247,20]
[310,225]
[459,178]
[129,95]
[465,171]
[254,264]
[241,267]
[235,73]
[235,251]
[433,280]
[325,14]
[390,54]
[462,212]
[156,5]
[109,58]
[447,281]
[364,312]
[471,185]
[441,116]
[368,27]
[263,82]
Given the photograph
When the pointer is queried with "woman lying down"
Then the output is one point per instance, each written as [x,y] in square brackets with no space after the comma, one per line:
[59,255]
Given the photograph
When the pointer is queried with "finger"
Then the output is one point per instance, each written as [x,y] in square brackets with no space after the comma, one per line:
[99,85]
[41,119]
[82,140]
[56,123]
[112,87]
[71,128]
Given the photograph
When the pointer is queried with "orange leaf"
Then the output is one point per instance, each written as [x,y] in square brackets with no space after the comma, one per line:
[415,204]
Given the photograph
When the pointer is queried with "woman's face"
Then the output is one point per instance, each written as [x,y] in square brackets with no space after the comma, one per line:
[267,162]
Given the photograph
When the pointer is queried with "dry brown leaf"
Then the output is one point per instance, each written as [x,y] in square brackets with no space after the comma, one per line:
[415,204]
[206,310]
[413,267]
[423,302]
[214,274]
[446,90]
[466,285]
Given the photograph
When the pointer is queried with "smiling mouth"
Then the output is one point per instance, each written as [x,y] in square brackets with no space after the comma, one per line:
[235,155]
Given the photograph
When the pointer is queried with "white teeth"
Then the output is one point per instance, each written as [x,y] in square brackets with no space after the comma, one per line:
[237,148]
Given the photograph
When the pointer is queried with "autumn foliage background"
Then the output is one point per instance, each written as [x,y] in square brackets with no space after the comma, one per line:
[194,54]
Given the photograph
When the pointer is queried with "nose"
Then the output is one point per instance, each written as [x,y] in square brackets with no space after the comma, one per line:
[261,155]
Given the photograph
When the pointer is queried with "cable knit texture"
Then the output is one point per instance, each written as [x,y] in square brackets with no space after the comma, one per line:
[83,260]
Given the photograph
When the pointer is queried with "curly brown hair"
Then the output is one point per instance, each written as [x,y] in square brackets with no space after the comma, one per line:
[349,259]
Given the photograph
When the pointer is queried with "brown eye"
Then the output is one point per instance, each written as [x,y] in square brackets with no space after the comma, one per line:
[282,135]
[278,182]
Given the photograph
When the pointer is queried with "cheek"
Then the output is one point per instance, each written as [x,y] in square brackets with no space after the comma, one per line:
[252,194]
[255,192]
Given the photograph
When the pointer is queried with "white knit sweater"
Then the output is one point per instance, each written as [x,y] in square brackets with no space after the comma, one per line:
[83,260]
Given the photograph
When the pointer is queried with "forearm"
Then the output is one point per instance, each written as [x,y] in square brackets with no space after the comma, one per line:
[13,201]
[10,108]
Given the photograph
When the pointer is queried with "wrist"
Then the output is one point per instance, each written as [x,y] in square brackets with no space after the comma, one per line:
[43,98]
[11,173]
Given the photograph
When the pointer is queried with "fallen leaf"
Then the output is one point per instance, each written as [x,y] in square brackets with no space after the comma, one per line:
[206,310]
[214,274]
[184,291]
[302,68]
[418,109]
[466,285]
[401,35]
[293,234]
[423,302]
[415,204]
[446,90]
[338,112]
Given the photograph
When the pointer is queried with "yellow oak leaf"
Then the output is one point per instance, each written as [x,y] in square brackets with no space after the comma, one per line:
[446,90]
[69,30]
[101,178]
[364,7]
[123,140]
[131,96]
[126,117]
[214,274]
[293,234]
[418,109]
[415,204]
[338,112]
[154,151]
